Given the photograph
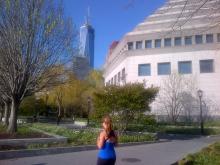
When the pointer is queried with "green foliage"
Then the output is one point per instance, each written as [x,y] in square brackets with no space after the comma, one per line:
[75,137]
[146,119]
[30,106]
[80,137]
[3,128]
[212,123]
[123,102]
[207,156]
[95,79]
[191,130]
[22,132]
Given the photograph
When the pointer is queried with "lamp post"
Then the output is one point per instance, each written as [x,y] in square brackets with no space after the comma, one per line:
[200,93]
[89,106]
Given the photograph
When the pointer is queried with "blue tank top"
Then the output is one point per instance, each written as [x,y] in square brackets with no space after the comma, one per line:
[107,151]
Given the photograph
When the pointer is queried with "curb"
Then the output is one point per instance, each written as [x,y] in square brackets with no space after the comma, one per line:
[59,150]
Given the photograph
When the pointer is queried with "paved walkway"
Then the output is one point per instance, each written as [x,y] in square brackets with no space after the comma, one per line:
[164,153]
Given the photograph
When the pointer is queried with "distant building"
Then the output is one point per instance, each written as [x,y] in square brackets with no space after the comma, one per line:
[87,37]
[81,67]
[84,61]
[154,49]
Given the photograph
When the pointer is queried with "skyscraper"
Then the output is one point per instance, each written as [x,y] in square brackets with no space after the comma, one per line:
[87,36]
[84,61]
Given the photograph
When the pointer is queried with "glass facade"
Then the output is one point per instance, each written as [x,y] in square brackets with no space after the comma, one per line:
[167,42]
[185,67]
[206,66]
[177,41]
[87,37]
[188,40]
[130,46]
[148,44]
[198,39]
[144,70]
[139,45]
[123,74]
[218,37]
[209,38]
[119,77]
[157,43]
[163,68]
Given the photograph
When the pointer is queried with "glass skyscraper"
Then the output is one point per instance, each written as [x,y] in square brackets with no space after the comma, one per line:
[87,36]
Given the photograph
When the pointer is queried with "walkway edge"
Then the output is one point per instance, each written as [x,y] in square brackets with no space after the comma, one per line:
[60,150]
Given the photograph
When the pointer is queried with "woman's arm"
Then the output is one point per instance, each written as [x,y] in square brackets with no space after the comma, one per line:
[114,139]
[101,139]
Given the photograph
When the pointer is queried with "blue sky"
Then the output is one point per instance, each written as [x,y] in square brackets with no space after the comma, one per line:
[112,19]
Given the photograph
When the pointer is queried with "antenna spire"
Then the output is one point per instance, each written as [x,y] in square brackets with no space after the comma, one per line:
[88,16]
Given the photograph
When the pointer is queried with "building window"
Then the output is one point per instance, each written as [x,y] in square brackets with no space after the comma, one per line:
[148,44]
[188,40]
[157,43]
[115,79]
[209,38]
[139,45]
[206,66]
[123,74]
[119,77]
[177,41]
[218,37]
[163,68]
[198,39]
[167,42]
[130,46]
[185,67]
[144,70]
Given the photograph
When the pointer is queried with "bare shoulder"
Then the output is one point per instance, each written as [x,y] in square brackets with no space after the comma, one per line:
[102,133]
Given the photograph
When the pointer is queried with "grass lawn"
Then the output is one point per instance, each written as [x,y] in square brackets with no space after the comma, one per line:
[23,132]
[207,156]
[88,136]
[189,130]
[214,123]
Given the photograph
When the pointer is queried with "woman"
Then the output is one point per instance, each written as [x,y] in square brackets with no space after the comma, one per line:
[106,142]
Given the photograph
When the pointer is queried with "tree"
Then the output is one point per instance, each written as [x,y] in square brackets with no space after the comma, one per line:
[1,110]
[123,102]
[33,37]
[190,106]
[95,79]
[172,95]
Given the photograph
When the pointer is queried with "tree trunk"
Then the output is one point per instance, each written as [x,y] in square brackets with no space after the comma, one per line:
[6,113]
[1,114]
[12,127]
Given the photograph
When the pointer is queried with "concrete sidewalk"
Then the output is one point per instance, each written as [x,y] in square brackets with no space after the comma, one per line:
[149,154]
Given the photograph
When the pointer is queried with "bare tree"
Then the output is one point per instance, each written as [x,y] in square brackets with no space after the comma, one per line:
[1,110]
[33,37]
[59,94]
[172,94]
[5,106]
[190,107]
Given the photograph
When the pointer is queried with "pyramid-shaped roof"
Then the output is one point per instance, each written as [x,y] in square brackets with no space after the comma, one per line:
[178,15]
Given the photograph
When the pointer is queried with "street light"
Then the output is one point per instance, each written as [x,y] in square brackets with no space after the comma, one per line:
[89,106]
[200,93]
